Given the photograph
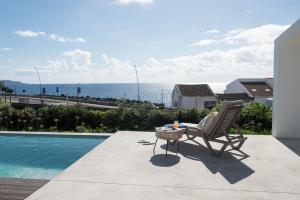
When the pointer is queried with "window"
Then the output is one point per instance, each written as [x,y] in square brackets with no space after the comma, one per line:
[254,90]
[209,104]
[267,90]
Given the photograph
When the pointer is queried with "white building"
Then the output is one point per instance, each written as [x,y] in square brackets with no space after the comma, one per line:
[260,89]
[193,96]
[286,105]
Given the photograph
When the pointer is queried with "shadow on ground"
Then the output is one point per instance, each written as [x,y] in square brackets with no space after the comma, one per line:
[292,144]
[230,165]
[162,160]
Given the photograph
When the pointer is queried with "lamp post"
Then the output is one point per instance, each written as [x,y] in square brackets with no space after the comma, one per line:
[78,91]
[138,83]
[37,72]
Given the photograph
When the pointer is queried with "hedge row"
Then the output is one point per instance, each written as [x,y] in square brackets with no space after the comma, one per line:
[254,117]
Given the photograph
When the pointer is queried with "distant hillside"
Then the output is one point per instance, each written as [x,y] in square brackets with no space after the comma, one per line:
[11,84]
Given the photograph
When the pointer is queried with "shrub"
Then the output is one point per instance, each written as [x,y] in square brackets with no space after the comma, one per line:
[254,118]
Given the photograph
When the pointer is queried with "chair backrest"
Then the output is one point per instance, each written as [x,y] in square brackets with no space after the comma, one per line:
[225,119]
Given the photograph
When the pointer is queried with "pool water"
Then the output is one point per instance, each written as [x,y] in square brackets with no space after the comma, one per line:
[41,156]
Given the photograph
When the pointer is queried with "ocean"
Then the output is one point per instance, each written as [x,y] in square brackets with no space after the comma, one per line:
[153,92]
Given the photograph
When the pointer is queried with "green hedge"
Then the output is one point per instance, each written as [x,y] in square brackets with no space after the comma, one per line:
[254,118]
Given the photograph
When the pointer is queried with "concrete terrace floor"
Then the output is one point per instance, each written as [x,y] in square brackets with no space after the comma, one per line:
[123,168]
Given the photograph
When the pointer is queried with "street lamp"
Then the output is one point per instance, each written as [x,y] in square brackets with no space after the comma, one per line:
[138,83]
[37,72]
[78,91]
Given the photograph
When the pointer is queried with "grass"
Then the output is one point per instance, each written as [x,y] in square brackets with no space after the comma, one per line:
[4,103]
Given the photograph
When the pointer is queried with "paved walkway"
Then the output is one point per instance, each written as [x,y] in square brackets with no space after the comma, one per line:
[123,167]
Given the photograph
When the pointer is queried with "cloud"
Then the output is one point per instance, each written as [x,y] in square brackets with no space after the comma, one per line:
[252,36]
[79,55]
[244,53]
[237,53]
[5,49]
[130,2]
[205,42]
[213,31]
[60,38]
[52,36]
[29,33]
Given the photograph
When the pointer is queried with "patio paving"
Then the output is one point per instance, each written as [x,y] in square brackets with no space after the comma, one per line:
[124,167]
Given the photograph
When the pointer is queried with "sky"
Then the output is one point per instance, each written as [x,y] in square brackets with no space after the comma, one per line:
[170,41]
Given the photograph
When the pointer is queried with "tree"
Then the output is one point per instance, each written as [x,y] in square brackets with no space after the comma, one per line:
[9,91]
[4,90]
[2,86]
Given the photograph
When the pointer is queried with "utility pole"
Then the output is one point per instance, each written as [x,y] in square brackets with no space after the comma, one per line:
[37,71]
[162,96]
[138,83]
[78,92]
[57,91]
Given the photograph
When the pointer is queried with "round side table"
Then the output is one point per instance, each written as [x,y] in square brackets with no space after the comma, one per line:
[170,135]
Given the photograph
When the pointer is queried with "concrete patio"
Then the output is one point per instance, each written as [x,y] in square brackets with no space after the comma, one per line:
[123,167]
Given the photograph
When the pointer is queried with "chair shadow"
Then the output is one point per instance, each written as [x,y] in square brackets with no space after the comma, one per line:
[292,144]
[162,160]
[230,165]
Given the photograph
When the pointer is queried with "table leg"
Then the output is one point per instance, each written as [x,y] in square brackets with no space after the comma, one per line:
[167,147]
[155,146]
[178,146]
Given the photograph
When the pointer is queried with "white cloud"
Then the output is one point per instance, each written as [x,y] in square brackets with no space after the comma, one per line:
[60,38]
[5,49]
[29,33]
[129,2]
[205,42]
[213,31]
[252,36]
[244,53]
[52,36]
[79,55]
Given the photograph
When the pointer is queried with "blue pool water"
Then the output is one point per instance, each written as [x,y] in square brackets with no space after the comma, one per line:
[40,156]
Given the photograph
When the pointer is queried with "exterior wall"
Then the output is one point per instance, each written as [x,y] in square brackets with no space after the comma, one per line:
[176,97]
[261,99]
[286,108]
[195,102]
[235,87]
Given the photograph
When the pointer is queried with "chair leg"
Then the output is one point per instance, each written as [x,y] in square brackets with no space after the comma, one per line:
[213,151]
[240,144]
[154,146]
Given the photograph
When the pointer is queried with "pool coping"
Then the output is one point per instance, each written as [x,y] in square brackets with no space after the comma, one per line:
[55,133]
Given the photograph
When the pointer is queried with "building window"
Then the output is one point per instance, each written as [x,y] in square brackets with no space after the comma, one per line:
[209,104]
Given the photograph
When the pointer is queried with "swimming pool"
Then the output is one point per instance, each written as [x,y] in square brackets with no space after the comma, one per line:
[41,156]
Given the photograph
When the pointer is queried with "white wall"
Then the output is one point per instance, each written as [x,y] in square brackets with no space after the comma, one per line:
[235,87]
[176,97]
[262,100]
[195,102]
[286,105]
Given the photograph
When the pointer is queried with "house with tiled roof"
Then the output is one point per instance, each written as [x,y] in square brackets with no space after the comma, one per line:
[193,96]
[260,89]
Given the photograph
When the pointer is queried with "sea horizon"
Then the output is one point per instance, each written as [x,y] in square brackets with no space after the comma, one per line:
[153,92]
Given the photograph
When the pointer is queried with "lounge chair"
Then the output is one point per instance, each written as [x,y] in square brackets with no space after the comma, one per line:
[219,128]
